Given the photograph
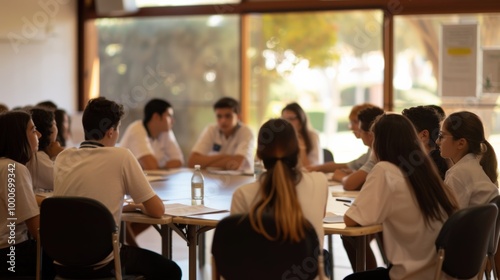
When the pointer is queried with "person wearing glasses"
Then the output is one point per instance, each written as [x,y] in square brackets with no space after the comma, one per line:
[473,176]
[309,145]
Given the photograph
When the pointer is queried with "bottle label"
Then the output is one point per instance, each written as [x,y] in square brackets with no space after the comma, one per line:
[197,191]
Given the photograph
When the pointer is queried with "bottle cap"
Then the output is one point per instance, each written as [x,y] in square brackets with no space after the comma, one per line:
[197,166]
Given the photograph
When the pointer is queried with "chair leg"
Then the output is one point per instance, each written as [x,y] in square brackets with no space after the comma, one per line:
[38,257]
[439,266]
[493,266]
[116,255]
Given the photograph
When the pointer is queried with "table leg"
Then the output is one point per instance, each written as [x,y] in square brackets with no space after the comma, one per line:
[330,251]
[166,238]
[201,249]
[360,242]
[192,244]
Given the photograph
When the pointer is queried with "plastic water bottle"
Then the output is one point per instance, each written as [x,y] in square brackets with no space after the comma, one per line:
[197,186]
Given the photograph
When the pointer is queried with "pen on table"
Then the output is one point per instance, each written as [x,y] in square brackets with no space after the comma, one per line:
[348,205]
[343,200]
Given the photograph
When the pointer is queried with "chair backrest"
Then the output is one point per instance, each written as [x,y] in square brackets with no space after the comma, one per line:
[241,253]
[464,238]
[493,245]
[76,231]
[327,155]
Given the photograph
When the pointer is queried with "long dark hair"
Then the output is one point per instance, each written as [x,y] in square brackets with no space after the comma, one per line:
[302,117]
[43,120]
[14,143]
[396,141]
[467,125]
[279,150]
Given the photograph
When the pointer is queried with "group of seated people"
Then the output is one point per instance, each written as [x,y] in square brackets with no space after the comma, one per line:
[420,168]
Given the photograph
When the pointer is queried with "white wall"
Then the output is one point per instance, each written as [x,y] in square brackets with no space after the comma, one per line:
[38,52]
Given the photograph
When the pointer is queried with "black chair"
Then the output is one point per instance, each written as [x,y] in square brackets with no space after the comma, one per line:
[493,244]
[78,232]
[241,253]
[327,155]
[463,241]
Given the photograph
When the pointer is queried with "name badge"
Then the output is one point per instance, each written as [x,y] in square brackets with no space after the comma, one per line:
[216,147]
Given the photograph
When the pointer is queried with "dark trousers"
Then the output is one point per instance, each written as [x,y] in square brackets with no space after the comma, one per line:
[134,261]
[24,261]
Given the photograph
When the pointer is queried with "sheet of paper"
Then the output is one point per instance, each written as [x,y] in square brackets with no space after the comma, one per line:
[332,218]
[154,178]
[181,210]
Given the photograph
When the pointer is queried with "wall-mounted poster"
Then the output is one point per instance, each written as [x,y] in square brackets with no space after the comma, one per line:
[490,81]
[458,60]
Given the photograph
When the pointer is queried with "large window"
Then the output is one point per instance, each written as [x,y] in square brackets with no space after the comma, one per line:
[326,61]
[416,78]
[189,61]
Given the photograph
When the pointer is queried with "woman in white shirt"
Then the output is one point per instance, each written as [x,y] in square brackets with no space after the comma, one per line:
[473,175]
[309,145]
[41,166]
[290,195]
[405,194]
[20,214]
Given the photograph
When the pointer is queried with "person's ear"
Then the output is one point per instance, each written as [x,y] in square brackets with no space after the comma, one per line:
[110,131]
[462,143]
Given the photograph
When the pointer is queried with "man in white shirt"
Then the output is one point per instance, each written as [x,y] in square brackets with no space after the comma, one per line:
[101,171]
[229,144]
[152,140]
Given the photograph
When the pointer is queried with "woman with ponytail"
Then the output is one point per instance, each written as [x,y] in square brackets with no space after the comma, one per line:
[473,176]
[290,195]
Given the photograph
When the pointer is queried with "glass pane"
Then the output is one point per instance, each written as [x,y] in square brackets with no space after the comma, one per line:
[159,3]
[416,74]
[325,61]
[189,61]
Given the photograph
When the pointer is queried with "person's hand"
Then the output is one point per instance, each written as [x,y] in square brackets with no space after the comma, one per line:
[54,149]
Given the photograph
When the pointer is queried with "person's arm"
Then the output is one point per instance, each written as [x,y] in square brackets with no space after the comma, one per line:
[153,207]
[33,224]
[350,222]
[354,181]
[148,162]
[229,162]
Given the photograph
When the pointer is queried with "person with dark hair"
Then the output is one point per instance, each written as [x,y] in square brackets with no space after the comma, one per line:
[439,111]
[310,147]
[356,163]
[47,104]
[353,180]
[42,165]
[229,144]
[405,194]
[427,123]
[283,191]
[63,122]
[152,140]
[101,171]
[473,176]
[18,205]
[3,108]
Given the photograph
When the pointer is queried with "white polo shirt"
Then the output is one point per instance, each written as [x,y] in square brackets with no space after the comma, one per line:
[25,205]
[164,148]
[469,182]
[242,142]
[387,199]
[105,174]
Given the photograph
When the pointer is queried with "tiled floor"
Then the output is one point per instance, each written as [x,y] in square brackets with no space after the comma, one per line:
[150,239]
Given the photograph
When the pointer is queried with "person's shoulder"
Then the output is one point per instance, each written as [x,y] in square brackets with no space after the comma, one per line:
[244,129]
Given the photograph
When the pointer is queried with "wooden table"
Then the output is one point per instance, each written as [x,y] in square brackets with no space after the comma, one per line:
[218,192]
